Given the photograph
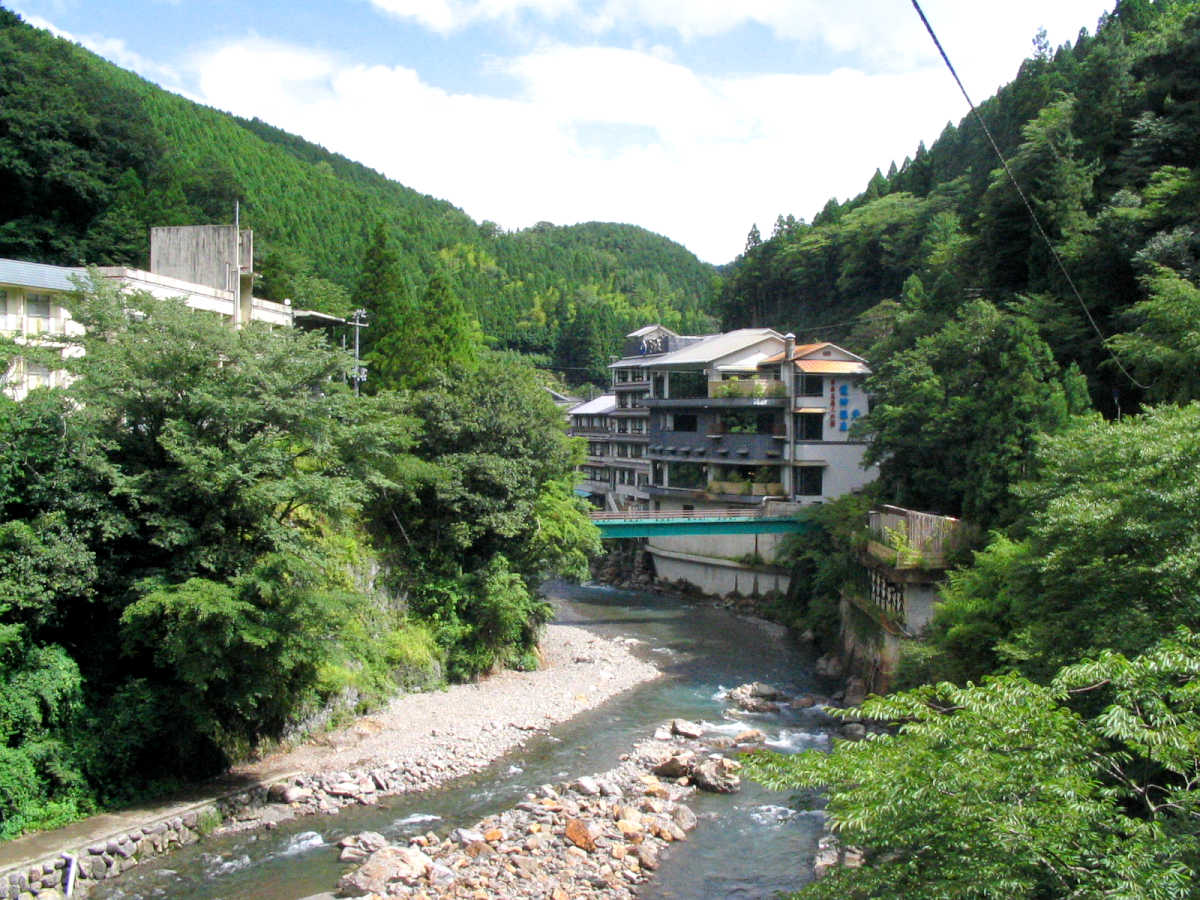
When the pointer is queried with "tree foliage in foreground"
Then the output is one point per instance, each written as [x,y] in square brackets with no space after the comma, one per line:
[955,418]
[1108,555]
[1004,789]
[208,538]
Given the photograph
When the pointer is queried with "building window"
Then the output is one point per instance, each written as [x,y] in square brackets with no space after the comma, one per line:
[812,385]
[685,385]
[810,426]
[808,480]
[37,306]
[684,422]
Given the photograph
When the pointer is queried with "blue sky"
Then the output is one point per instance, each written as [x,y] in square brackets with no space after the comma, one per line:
[693,118]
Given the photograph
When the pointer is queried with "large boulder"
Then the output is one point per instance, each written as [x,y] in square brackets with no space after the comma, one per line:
[716,774]
[406,865]
[856,691]
[676,765]
[686,729]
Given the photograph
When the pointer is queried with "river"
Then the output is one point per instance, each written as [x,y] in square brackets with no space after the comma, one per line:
[748,845]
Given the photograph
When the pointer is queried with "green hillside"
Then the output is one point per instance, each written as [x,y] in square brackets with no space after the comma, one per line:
[1103,135]
[91,156]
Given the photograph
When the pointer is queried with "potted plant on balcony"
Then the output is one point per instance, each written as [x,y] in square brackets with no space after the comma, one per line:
[734,483]
[764,482]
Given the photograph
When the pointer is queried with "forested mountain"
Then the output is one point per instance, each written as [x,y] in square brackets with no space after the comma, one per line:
[91,156]
[1103,136]
[1047,742]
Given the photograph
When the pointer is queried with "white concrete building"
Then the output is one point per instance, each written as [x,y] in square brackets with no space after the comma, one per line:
[31,296]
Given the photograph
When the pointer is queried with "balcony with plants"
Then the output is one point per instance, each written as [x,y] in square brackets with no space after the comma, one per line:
[739,481]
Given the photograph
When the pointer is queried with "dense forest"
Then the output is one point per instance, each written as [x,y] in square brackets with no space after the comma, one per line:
[1046,740]
[197,560]
[92,156]
[1102,135]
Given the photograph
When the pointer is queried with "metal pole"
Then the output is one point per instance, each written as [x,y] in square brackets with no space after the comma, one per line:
[357,379]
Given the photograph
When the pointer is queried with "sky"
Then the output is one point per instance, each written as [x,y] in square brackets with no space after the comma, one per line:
[693,118]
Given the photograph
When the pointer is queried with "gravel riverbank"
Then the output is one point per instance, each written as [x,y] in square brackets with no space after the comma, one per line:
[432,737]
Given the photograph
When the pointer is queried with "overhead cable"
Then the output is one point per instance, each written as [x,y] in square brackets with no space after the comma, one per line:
[1025,200]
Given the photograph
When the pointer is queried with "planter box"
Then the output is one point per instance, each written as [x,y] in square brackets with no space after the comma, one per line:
[728,487]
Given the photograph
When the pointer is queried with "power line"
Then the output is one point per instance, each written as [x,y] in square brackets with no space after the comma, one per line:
[1025,200]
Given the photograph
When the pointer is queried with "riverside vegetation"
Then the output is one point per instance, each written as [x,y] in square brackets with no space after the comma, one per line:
[1049,744]
[209,539]
[1048,741]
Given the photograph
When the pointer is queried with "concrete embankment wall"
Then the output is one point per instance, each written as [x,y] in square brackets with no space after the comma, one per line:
[720,564]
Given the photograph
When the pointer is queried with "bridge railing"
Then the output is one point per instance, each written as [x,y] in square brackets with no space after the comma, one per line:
[736,512]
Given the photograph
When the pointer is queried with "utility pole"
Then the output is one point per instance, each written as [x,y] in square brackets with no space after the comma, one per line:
[359,321]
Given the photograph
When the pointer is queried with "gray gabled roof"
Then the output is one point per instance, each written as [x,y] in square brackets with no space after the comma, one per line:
[713,348]
[39,275]
[605,403]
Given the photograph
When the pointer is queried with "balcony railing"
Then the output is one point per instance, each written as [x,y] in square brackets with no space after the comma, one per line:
[907,539]
[747,387]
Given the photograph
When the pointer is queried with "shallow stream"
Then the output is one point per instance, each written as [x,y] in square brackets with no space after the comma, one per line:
[748,845]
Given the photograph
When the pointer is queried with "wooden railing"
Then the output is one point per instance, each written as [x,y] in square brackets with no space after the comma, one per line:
[906,538]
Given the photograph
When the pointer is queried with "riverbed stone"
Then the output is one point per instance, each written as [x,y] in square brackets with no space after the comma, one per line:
[385,867]
[578,833]
[716,774]
[854,731]
[676,765]
[686,729]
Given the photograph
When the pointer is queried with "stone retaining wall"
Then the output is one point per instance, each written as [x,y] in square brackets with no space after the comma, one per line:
[46,879]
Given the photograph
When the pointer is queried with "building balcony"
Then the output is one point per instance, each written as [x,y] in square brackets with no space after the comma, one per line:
[729,448]
[738,489]
[596,431]
[747,388]
[714,402]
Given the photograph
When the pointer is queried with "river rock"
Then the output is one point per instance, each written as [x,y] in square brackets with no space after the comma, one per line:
[580,835]
[676,765]
[757,690]
[406,865]
[466,835]
[716,774]
[587,786]
[684,817]
[686,729]
[854,731]
[829,665]
[357,847]
[750,736]
[856,691]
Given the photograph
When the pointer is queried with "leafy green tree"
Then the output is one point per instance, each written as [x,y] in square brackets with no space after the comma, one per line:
[220,460]
[955,417]
[1106,556]
[1164,349]
[1004,790]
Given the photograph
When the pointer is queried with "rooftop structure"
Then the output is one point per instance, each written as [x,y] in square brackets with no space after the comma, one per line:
[204,265]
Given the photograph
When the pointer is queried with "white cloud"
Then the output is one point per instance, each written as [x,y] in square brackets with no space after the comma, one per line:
[445,16]
[985,42]
[713,154]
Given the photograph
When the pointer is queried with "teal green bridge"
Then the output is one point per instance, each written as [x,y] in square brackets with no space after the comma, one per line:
[640,523]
